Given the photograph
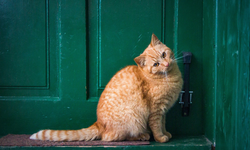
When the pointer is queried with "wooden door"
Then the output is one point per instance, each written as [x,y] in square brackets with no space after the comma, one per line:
[57,56]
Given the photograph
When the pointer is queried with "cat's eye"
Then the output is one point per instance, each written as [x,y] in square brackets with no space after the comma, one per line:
[164,55]
[156,64]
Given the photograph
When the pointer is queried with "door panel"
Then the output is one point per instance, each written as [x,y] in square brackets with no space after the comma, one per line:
[125,33]
[27,63]
[117,34]
[60,104]
[23,44]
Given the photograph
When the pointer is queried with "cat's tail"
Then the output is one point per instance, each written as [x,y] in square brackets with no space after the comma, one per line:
[87,134]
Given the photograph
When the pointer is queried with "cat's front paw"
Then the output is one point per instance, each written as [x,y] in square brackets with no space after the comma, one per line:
[140,137]
[168,134]
[144,137]
[162,139]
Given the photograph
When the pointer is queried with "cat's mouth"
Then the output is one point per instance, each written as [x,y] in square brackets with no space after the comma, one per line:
[162,73]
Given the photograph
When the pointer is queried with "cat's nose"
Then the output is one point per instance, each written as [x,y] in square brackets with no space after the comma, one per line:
[167,64]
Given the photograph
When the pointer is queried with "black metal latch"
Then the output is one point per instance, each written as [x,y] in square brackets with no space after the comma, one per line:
[186,95]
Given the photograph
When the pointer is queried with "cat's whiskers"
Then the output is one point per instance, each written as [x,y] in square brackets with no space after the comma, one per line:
[178,53]
[177,60]
[178,57]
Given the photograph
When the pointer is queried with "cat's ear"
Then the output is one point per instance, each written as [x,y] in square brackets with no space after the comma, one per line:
[154,40]
[140,60]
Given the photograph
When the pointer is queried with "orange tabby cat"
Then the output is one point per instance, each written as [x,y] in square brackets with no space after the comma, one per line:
[134,101]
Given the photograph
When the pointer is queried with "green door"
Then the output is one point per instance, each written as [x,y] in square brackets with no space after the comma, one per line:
[43,66]
[57,56]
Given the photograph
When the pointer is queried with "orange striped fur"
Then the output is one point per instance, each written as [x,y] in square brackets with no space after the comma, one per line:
[134,102]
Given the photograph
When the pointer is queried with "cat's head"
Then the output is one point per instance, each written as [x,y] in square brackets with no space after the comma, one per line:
[157,59]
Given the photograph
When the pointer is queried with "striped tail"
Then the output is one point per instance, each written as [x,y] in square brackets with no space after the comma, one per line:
[87,134]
